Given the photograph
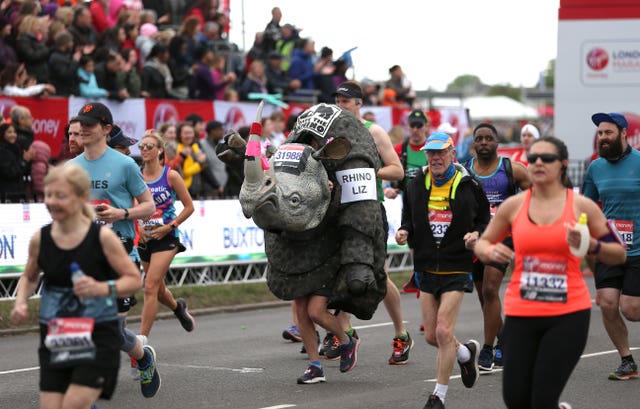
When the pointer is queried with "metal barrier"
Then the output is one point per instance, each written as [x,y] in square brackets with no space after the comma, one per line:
[216,274]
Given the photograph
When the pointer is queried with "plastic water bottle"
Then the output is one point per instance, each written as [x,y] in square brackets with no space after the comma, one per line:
[582,227]
[76,274]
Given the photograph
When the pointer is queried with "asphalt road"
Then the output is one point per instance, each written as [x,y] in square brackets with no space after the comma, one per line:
[239,360]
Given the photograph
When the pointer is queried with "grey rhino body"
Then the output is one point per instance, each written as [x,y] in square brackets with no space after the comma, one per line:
[316,243]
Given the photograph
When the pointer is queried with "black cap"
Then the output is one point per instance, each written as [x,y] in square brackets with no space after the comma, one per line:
[213,125]
[349,90]
[275,55]
[417,115]
[93,113]
[118,138]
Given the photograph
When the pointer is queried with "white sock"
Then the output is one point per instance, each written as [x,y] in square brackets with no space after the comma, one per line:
[463,354]
[441,391]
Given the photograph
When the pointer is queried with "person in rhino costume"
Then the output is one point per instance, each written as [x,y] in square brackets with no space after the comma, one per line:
[315,198]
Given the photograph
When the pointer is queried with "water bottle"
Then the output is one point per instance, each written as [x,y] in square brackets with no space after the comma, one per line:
[76,274]
[582,227]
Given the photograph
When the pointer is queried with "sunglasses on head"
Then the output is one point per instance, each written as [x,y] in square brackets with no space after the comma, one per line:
[416,125]
[545,157]
[146,145]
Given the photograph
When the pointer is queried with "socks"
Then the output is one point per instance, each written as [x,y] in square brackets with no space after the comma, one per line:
[441,391]
[316,363]
[404,336]
[144,361]
[350,331]
[628,358]
[463,354]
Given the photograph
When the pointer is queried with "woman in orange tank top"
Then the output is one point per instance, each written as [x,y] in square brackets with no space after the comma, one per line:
[547,303]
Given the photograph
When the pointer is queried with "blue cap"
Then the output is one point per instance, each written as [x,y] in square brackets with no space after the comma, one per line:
[613,117]
[437,142]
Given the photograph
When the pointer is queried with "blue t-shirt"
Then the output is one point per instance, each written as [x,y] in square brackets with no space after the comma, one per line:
[617,187]
[116,178]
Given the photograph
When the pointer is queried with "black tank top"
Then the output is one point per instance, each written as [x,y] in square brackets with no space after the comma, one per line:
[55,262]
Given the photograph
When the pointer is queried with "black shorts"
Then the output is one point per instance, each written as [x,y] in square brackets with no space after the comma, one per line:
[168,242]
[625,277]
[477,269]
[58,380]
[437,284]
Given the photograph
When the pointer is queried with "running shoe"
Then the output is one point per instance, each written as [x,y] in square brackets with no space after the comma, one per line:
[349,354]
[564,405]
[182,314]
[469,370]
[149,376]
[627,370]
[332,352]
[326,343]
[401,348]
[313,374]
[498,357]
[292,334]
[434,402]
[485,359]
[134,369]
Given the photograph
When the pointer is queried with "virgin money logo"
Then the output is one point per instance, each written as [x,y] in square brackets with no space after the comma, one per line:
[597,59]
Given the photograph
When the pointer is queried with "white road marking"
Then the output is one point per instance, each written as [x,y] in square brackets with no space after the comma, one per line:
[280,406]
[33,368]
[216,368]
[382,324]
[614,351]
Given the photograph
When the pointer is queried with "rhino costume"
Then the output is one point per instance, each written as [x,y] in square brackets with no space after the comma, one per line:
[319,239]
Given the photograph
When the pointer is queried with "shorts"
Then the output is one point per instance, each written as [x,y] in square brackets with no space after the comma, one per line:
[477,269]
[168,242]
[437,284]
[624,277]
[58,380]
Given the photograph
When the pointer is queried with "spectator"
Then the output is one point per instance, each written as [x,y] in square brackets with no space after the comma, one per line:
[13,81]
[131,34]
[157,81]
[279,125]
[23,120]
[210,36]
[81,29]
[111,39]
[219,75]
[278,81]
[188,32]
[12,166]
[400,85]
[31,48]
[179,66]
[370,90]
[99,15]
[194,159]
[256,52]
[202,10]
[162,9]
[146,40]
[272,31]
[255,82]
[203,84]
[63,65]
[171,158]
[323,76]
[302,67]
[130,73]
[286,44]
[235,167]
[339,73]
[109,76]
[41,154]
[7,52]
[72,144]
[215,167]
[198,124]
[88,86]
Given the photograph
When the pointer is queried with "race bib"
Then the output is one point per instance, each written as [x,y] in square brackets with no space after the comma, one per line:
[291,158]
[439,220]
[357,185]
[544,279]
[625,231]
[96,204]
[155,220]
[69,341]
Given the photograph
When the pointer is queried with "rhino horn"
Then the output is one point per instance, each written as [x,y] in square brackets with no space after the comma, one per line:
[253,173]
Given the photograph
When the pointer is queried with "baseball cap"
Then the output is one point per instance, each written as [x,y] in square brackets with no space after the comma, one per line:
[417,115]
[349,90]
[94,112]
[447,128]
[437,141]
[613,117]
[118,138]
[275,55]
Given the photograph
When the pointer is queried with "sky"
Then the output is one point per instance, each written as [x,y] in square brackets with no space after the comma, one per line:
[500,41]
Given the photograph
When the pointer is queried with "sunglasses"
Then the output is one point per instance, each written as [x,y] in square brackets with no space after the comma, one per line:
[147,146]
[416,125]
[545,157]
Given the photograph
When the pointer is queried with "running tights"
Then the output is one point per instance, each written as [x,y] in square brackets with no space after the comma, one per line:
[539,355]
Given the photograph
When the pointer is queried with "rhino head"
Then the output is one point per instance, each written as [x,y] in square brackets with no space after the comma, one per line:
[293,192]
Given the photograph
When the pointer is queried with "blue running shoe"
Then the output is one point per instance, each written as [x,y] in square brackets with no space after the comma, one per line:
[292,334]
[485,359]
[149,376]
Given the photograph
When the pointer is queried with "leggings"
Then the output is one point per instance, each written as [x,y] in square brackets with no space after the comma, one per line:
[539,355]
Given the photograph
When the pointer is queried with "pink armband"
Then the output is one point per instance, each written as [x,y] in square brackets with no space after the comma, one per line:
[253,148]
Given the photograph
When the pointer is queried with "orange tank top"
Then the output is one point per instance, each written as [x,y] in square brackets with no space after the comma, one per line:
[546,280]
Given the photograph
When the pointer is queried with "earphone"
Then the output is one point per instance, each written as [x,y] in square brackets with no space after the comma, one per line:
[357,102]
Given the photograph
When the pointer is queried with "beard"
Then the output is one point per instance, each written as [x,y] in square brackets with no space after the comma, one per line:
[485,155]
[610,150]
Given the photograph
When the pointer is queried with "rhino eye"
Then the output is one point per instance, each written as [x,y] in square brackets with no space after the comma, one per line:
[294,200]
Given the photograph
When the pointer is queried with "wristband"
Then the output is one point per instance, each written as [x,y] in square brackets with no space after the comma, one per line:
[126,214]
[174,225]
[113,292]
[597,249]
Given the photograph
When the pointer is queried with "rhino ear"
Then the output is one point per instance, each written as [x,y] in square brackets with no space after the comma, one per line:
[337,149]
